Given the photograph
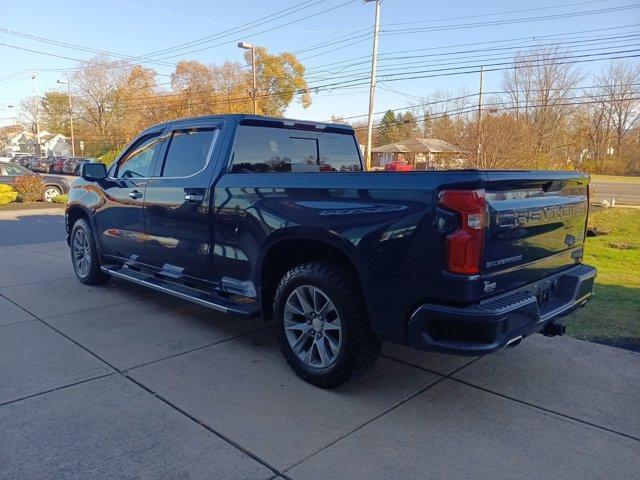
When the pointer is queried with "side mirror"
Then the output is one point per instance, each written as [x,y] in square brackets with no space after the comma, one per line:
[93,171]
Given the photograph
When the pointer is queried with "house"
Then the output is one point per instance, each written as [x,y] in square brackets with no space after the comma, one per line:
[24,143]
[422,154]
[54,145]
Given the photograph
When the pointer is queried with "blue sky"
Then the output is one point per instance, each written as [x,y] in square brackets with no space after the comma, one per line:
[138,27]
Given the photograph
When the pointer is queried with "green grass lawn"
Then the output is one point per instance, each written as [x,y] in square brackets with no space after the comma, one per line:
[615,179]
[613,315]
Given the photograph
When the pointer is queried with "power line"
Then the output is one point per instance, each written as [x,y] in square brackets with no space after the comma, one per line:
[387,61]
[492,14]
[238,29]
[490,42]
[474,108]
[226,42]
[73,46]
[475,60]
[495,92]
[404,31]
[445,72]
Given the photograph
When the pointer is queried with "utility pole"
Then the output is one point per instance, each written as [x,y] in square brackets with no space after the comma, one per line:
[73,145]
[372,88]
[249,46]
[479,127]
[35,112]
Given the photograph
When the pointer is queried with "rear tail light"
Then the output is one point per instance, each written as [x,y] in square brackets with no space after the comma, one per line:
[463,249]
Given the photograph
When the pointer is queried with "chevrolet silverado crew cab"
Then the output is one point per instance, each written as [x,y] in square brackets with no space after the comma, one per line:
[258,216]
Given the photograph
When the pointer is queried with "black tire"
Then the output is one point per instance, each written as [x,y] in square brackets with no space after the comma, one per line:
[358,348]
[89,273]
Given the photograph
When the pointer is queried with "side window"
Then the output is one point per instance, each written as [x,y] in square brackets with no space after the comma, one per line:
[338,153]
[138,163]
[266,149]
[188,152]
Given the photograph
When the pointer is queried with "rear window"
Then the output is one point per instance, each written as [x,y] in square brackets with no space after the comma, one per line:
[188,152]
[267,149]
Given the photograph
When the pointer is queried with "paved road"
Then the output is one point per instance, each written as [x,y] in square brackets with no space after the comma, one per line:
[624,193]
[120,382]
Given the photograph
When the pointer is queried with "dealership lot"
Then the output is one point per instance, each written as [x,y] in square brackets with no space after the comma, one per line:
[118,381]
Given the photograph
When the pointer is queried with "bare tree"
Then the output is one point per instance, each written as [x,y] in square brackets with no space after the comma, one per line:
[620,87]
[539,87]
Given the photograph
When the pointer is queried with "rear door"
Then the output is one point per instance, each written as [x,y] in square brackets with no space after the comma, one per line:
[536,224]
[177,202]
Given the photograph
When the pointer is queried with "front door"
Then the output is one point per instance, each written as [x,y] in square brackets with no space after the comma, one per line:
[120,221]
[178,203]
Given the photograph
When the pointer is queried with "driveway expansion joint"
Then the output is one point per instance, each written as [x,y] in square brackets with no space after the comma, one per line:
[123,373]
[87,380]
[393,407]
[207,427]
[547,410]
[513,399]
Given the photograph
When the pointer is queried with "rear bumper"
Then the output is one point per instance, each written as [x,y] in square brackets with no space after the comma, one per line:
[495,323]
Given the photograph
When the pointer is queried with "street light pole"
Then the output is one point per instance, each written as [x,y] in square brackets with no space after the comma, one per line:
[249,46]
[73,145]
[372,87]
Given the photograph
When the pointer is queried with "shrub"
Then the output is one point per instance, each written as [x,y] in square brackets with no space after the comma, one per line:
[30,188]
[109,157]
[7,194]
[60,199]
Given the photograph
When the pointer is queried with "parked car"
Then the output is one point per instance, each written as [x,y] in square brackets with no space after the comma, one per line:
[72,165]
[398,166]
[24,160]
[53,185]
[58,165]
[236,213]
[42,164]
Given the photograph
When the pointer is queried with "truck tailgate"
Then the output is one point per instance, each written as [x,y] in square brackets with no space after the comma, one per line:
[535,226]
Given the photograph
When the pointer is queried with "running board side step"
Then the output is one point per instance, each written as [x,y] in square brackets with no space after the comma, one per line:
[214,302]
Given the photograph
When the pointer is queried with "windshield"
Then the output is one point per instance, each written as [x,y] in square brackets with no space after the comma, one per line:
[15,169]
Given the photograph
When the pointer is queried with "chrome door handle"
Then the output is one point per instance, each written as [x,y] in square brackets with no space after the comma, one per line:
[190,197]
[135,194]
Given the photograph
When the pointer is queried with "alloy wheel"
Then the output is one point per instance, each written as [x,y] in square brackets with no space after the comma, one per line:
[50,194]
[81,253]
[312,326]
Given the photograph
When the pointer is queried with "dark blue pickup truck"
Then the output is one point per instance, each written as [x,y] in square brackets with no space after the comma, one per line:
[253,216]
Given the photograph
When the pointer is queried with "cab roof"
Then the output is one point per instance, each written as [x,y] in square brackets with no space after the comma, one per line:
[262,120]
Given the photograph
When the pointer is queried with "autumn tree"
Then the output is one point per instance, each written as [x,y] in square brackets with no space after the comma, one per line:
[55,112]
[99,100]
[280,80]
[194,88]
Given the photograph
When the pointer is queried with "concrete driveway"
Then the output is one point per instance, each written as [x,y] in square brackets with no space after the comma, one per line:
[120,382]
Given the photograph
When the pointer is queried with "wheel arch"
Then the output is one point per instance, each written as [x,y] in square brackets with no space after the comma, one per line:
[72,214]
[284,254]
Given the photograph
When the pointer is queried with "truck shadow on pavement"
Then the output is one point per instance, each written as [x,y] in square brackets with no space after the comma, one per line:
[18,228]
